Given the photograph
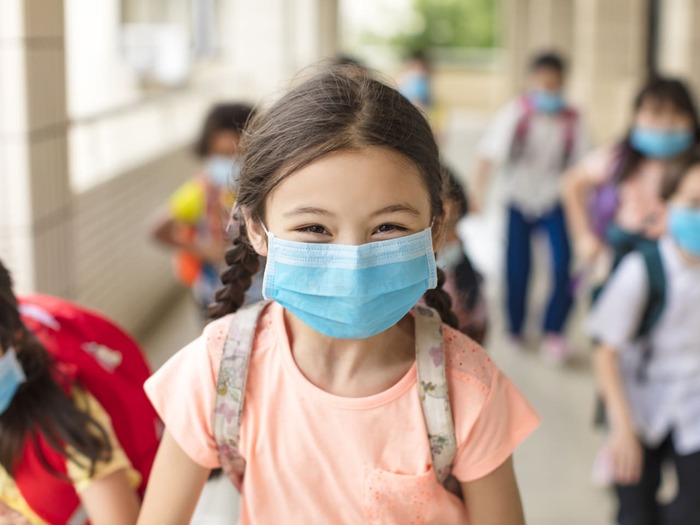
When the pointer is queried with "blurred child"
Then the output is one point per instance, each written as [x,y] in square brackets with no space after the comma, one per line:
[414,84]
[651,382]
[462,282]
[197,215]
[62,458]
[342,374]
[612,197]
[535,137]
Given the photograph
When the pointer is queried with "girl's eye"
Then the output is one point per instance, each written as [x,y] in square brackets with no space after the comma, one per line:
[388,228]
[314,228]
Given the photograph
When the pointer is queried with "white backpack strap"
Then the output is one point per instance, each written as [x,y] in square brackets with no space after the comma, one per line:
[432,384]
[230,389]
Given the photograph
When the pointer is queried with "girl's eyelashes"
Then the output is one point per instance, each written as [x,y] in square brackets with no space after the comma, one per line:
[388,228]
[313,228]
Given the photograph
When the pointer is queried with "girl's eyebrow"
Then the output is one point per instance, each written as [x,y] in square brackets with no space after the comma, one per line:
[303,210]
[395,208]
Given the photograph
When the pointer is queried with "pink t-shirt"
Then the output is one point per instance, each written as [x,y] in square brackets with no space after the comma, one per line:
[640,209]
[312,455]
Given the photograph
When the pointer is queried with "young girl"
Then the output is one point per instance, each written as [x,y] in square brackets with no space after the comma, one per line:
[195,221]
[612,197]
[54,434]
[341,189]
[655,416]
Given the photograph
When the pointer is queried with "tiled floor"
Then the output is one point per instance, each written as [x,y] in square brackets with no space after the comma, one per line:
[553,466]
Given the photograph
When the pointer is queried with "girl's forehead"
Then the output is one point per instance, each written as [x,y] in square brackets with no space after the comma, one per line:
[358,180]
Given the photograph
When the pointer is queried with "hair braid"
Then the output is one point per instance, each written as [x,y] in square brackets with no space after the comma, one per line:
[243,262]
[440,300]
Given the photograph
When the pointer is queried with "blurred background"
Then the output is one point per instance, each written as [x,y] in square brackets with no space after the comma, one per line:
[101,100]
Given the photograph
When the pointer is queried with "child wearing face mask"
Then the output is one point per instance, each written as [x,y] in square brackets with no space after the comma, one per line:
[651,385]
[534,138]
[63,459]
[462,282]
[612,197]
[342,400]
[197,214]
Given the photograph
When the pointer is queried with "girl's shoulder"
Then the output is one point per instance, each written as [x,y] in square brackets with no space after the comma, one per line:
[466,361]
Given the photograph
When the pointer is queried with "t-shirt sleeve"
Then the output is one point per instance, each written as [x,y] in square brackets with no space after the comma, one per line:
[187,203]
[617,312]
[489,436]
[495,143]
[491,416]
[183,392]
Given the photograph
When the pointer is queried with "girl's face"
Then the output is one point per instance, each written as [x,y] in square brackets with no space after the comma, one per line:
[662,115]
[224,143]
[348,197]
[688,193]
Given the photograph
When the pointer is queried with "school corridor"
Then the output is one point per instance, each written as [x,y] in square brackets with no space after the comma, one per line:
[101,103]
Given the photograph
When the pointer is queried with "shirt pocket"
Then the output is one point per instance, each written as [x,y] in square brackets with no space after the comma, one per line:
[389,498]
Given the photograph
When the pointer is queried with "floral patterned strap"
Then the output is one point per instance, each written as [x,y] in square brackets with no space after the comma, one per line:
[230,388]
[432,384]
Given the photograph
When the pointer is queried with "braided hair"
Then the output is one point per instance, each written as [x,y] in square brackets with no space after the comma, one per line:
[332,111]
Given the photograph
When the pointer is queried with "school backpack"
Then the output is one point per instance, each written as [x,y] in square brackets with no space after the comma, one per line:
[653,309]
[432,384]
[522,129]
[94,353]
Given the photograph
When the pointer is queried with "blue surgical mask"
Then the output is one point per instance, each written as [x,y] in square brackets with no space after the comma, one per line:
[450,255]
[684,226]
[350,292]
[659,144]
[547,101]
[223,171]
[11,377]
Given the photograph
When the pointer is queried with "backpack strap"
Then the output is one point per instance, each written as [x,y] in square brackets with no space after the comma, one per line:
[656,300]
[432,384]
[230,389]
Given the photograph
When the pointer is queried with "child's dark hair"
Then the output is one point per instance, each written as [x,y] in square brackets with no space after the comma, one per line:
[548,60]
[333,111]
[41,407]
[454,190]
[662,90]
[222,117]
[677,172]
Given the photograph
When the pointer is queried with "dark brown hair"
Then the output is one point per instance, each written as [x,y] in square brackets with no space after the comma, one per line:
[677,171]
[222,117]
[333,111]
[41,407]
[663,91]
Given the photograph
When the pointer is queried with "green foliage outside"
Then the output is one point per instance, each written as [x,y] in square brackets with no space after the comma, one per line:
[449,24]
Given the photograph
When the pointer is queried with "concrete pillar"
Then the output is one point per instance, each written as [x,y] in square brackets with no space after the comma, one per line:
[679,38]
[532,26]
[35,201]
[609,61]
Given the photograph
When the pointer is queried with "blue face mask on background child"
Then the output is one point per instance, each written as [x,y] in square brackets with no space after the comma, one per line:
[547,101]
[11,377]
[350,292]
[223,171]
[659,144]
[684,226]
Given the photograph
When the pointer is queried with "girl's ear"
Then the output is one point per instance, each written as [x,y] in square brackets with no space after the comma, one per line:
[257,236]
